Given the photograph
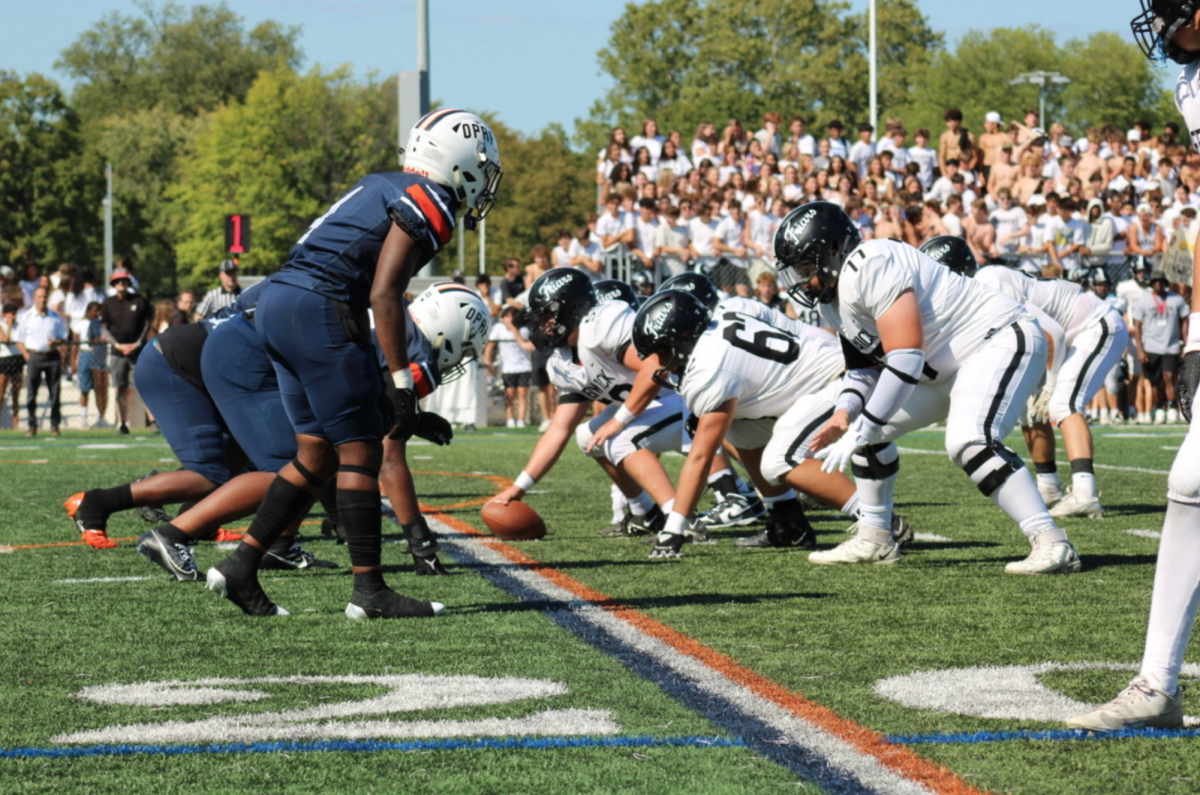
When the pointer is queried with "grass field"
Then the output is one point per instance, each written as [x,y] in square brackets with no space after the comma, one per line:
[574,663]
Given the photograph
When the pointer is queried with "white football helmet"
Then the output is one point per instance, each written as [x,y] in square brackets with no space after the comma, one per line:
[457,149]
[456,322]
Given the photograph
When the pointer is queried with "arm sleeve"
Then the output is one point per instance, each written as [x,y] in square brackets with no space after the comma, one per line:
[901,371]
[857,386]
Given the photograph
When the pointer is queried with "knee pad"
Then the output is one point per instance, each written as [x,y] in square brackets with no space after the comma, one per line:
[876,461]
[990,465]
[583,435]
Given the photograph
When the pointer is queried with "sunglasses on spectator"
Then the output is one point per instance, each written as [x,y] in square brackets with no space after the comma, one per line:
[123,281]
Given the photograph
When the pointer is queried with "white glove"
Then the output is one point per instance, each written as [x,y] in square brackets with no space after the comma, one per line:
[835,457]
[1038,407]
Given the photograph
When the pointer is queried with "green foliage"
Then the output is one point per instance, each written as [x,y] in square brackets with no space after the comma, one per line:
[49,212]
[183,59]
[284,155]
[684,61]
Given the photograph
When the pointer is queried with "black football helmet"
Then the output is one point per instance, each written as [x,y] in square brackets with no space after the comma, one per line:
[614,290]
[1159,21]
[697,284]
[814,240]
[558,301]
[643,282]
[953,252]
[669,324]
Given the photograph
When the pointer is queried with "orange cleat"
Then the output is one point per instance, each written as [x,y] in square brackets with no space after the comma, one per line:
[72,504]
[224,536]
[98,539]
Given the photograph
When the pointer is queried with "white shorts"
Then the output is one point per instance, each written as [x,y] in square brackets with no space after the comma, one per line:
[658,428]
[1183,484]
[1094,352]
[788,446]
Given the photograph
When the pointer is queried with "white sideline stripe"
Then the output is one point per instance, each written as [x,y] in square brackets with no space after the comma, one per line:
[101,579]
[930,537]
[1145,533]
[818,742]
[1061,464]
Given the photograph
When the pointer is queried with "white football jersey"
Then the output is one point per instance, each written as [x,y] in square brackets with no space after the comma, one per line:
[604,335]
[958,314]
[764,367]
[760,311]
[1187,99]
[1066,302]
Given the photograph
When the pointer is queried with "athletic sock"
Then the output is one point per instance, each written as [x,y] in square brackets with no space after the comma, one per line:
[1018,497]
[641,504]
[1083,477]
[1047,475]
[99,504]
[363,525]
[851,507]
[619,503]
[790,494]
[723,482]
[173,534]
[282,504]
[1175,596]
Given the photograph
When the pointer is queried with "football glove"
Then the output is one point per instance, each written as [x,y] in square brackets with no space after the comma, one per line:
[404,402]
[836,456]
[1189,378]
[1038,407]
[433,428]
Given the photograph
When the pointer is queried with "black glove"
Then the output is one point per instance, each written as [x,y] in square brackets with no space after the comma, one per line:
[1187,381]
[407,411]
[433,427]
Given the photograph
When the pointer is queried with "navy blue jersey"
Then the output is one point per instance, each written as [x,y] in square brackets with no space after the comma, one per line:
[336,257]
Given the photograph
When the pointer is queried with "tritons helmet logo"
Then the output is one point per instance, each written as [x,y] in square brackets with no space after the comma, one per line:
[658,323]
[552,286]
[796,230]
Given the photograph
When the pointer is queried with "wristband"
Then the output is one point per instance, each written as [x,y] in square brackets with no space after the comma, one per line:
[403,379]
[524,481]
[624,416]
[677,524]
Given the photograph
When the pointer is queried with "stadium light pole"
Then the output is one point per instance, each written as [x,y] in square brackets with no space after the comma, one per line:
[1041,79]
[873,55]
[108,223]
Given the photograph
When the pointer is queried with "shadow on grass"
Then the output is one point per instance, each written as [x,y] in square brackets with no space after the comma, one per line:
[640,603]
[1136,509]
[1093,562]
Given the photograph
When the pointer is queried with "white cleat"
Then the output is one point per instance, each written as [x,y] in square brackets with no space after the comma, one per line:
[1075,504]
[1054,558]
[1138,706]
[857,550]
[1050,494]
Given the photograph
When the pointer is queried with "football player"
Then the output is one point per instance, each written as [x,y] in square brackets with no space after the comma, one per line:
[923,344]
[1169,28]
[312,319]
[591,359]
[764,390]
[1094,339]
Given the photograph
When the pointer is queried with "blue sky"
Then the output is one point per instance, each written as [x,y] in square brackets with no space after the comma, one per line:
[531,61]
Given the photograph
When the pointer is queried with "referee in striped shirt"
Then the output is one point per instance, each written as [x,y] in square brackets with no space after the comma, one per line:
[216,300]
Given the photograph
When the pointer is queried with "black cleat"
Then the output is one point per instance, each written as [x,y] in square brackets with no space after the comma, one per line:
[667,545]
[428,566]
[901,531]
[788,527]
[172,557]
[295,557]
[152,513]
[242,589]
[386,603]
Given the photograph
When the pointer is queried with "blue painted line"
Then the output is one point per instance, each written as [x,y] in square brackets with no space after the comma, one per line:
[371,746]
[966,738]
[752,732]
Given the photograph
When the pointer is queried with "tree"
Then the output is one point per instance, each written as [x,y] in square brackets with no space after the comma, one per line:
[182,60]
[683,61]
[49,212]
[290,150]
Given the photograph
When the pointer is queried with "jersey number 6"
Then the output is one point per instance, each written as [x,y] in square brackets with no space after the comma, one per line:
[766,343]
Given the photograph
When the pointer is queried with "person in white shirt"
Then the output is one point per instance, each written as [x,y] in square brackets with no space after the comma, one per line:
[893,141]
[804,142]
[673,244]
[612,228]
[646,233]
[728,240]
[703,231]
[516,367]
[586,254]
[941,339]
[924,156]
[560,256]
[838,146]
[1067,236]
[1010,220]
[649,139]
[863,150]
[944,186]
[759,231]
[39,334]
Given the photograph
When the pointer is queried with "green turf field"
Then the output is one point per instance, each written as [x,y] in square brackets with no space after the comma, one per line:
[520,690]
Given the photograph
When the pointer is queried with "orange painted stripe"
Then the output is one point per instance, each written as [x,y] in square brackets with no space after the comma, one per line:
[896,757]
[432,212]
[428,121]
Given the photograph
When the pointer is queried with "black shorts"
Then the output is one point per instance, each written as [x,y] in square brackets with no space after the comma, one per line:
[514,380]
[540,378]
[12,365]
[1160,363]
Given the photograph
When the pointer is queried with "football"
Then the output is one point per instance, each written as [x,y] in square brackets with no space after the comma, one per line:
[513,522]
